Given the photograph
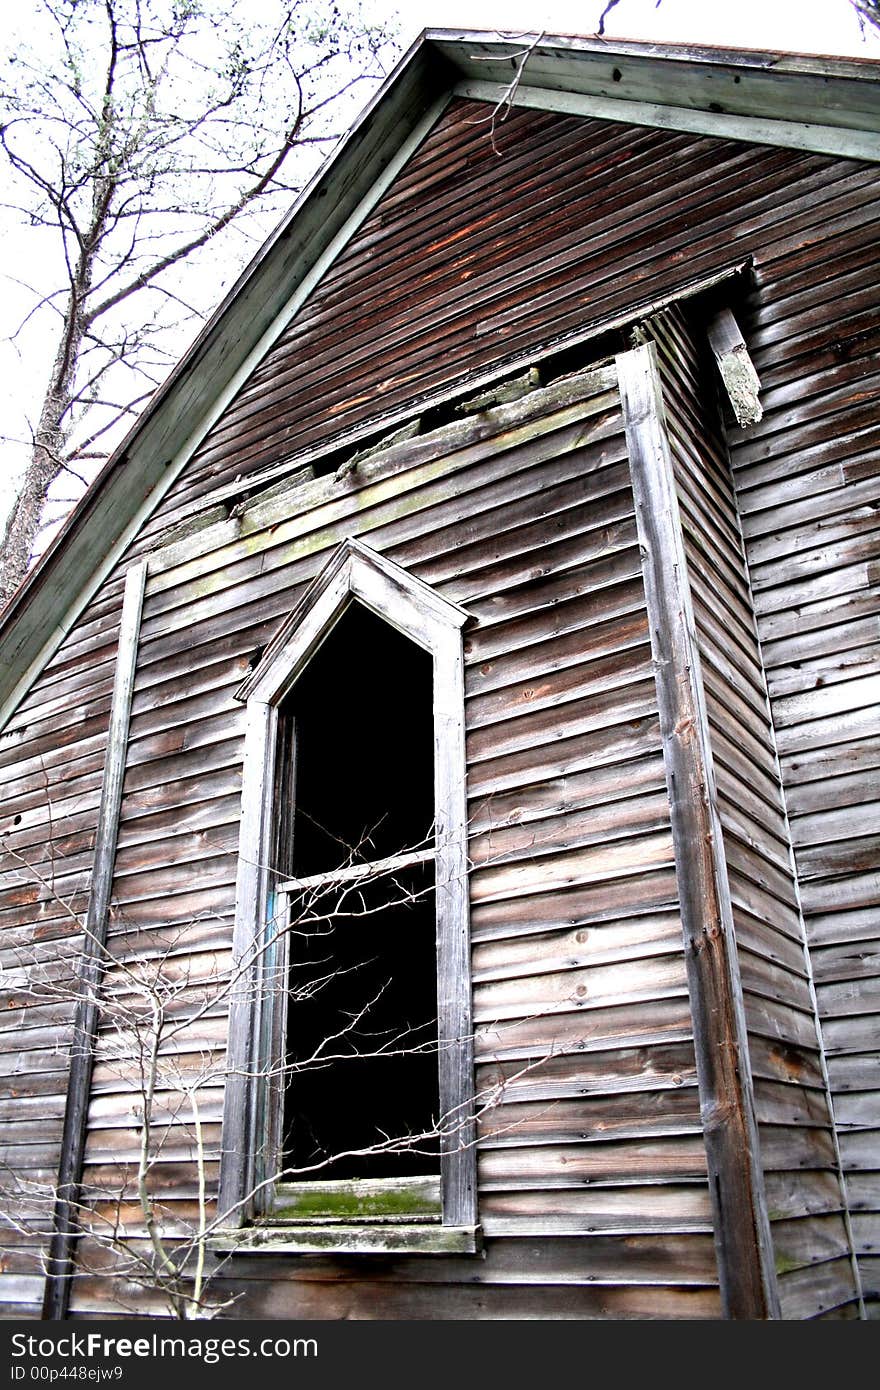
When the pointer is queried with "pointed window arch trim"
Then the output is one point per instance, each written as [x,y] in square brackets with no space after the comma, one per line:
[354,573]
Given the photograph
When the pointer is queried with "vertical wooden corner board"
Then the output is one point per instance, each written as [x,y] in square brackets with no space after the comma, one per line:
[60,1259]
[742,1235]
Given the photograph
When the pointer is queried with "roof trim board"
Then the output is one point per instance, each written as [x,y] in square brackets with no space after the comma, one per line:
[469,46]
[764,98]
[639,83]
[758,130]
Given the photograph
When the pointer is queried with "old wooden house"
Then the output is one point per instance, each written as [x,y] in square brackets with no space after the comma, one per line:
[443,743]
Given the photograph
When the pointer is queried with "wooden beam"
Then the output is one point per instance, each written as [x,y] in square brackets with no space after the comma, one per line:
[741,381]
[757,130]
[736,1186]
[61,1262]
[351,873]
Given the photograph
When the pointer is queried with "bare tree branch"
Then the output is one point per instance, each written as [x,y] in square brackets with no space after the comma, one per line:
[136,134]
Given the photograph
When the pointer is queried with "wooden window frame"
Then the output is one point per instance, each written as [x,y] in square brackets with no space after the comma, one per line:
[252,1106]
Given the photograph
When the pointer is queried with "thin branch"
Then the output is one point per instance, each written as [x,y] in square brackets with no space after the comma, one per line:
[503,106]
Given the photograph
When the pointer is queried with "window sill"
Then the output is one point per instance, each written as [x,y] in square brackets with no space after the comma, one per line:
[378,1239]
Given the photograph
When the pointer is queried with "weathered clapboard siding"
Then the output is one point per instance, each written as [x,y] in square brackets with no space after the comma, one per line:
[577,956]
[481,258]
[794,1117]
[51,767]
[807,482]
[467,262]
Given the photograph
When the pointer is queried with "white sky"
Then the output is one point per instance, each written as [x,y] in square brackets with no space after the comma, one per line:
[802,26]
[807,26]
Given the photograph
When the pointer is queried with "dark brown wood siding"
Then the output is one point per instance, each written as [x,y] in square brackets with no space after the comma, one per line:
[473,257]
[795,1125]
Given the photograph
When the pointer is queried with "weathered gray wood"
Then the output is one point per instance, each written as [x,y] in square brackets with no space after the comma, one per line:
[189,735]
[741,381]
[387,518]
[638,1260]
[351,873]
[355,1239]
[454,1020]
[752,857]
[238,1175]
[595,987]
[354,573]
[592,386]
[60,1259]
[736,1180]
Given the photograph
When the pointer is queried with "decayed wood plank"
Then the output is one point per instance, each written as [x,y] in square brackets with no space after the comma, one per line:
[567,790]
[737,369]
[637,1116]
[615,1073]
[653,978]
[625,1025]
[741,1225]
[678,1158]
[638,1260]
[490,460]
[633,938]
[818,1288]
[644,890]
[60,1259]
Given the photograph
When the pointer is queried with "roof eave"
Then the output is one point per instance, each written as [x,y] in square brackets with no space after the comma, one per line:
[823,104]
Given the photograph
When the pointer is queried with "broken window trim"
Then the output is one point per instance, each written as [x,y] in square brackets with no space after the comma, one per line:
[251,1119]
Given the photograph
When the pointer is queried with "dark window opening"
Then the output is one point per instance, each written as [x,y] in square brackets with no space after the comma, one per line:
[362,996]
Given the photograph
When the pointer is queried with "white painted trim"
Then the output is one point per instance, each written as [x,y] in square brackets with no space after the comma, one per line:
[226,396]
[760,130]
[354,571]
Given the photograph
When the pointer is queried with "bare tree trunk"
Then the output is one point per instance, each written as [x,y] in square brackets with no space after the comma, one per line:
[47,457]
